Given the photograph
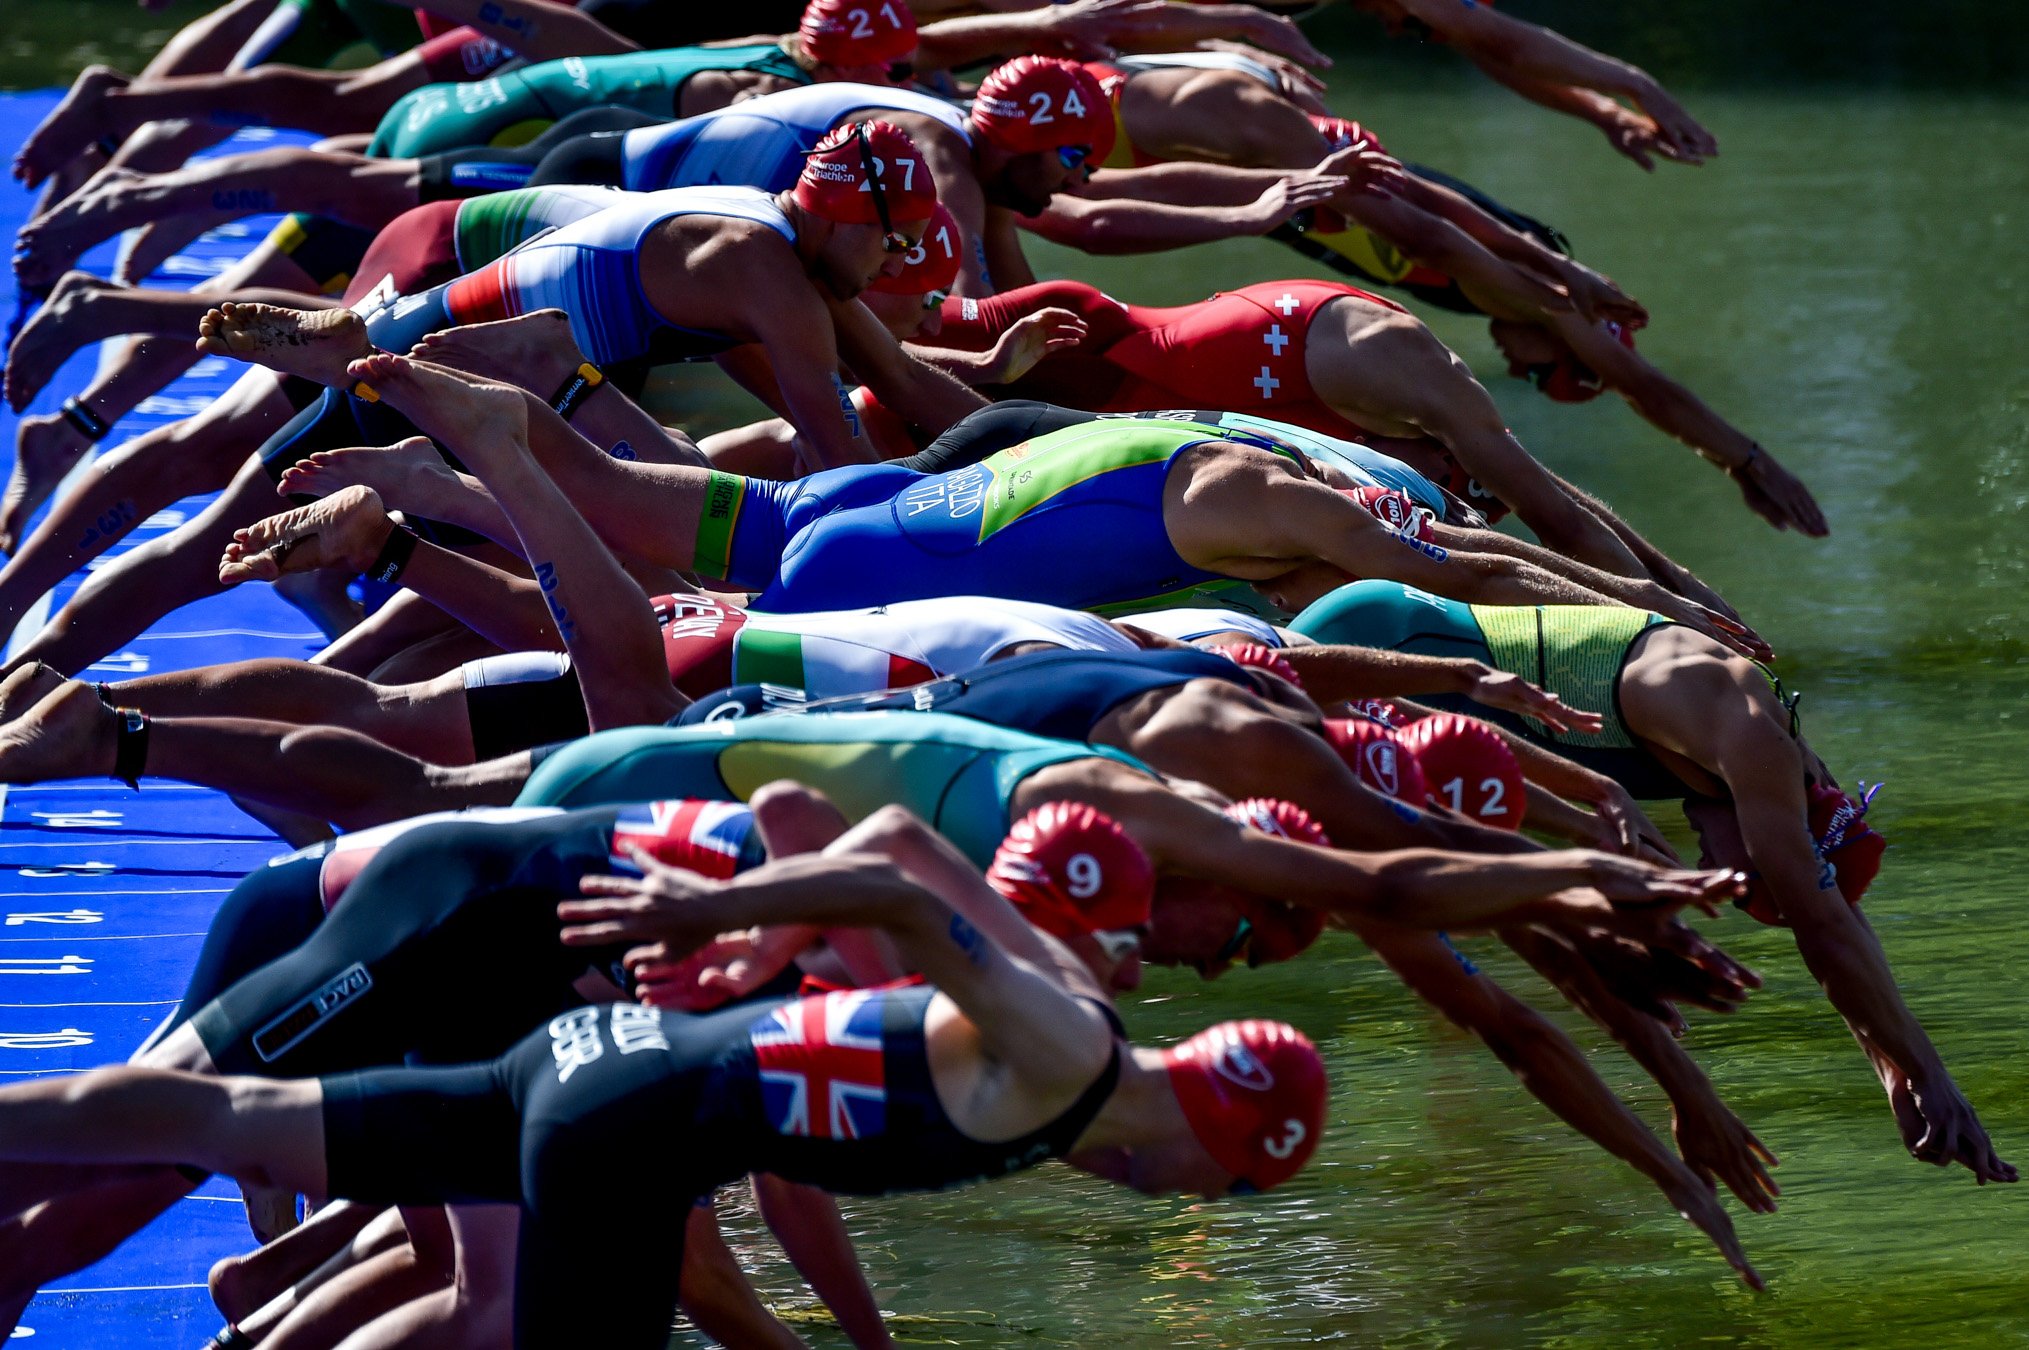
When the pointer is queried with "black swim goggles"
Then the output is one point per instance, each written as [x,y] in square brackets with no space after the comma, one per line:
[892,239]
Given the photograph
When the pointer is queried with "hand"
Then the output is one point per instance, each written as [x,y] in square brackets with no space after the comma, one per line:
[1597,296]
[730,966]
[1653,978]
[1698,1201]
[1678,134]
[1778,496]
[1368,170]
[1287,196]
[1094,30]
[1279,34]
[671,908]
[1724,629]
[1032,337]
[1715,1144]
[1637,890]
[1511,693]
[1633,832]
[1938,1126]
[1635,135]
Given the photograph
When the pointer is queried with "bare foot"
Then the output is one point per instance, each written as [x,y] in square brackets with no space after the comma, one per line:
[47,340]
[26,686]
[69,179]
[462,413]
[400,473]
[69,734]
[53,240]
[73,125]
[45,449]
[270,1213]
[537,348]
[345,529]
[143,251]
[312,343]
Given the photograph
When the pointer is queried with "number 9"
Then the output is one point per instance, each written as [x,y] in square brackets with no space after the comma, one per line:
[1086,876]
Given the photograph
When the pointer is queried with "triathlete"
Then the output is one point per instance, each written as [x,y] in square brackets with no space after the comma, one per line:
[859,888]
[1229,109]
[509,108]
[1548,68]
[1342,361]
[1689,719]
[723,267]
[1179,504]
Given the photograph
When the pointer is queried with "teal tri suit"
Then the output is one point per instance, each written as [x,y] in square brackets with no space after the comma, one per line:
[956,773]
[511,108]
[1575,651]
[1073,518]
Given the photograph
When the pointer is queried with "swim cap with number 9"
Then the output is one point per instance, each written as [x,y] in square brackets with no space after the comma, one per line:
[1071,870]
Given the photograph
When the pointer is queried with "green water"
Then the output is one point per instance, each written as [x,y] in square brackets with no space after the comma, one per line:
[1847,282]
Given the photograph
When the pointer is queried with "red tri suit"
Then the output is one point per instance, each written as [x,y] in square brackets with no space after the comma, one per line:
[1242,350]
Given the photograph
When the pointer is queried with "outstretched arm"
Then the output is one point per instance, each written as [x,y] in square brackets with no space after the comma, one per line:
[1406,374]
[1495,41]
[1414,888]
[1772,491]
[1556,1073]
[1124,222]
[1714,1142]
[1024,1017]
[904,383]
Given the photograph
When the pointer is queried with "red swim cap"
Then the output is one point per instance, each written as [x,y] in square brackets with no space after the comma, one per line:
[1071,870]
[834,183]
[1845,842]
[930,266]
[1281,930]
[1341,133]
[1394,508]
[1258,656]
[1040,103]
[857,32]
[1569,380]
[1377,758]
[1254,1094]
[1469,768]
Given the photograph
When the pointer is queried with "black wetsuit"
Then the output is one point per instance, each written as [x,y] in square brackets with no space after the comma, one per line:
[607,1123]
[444,946]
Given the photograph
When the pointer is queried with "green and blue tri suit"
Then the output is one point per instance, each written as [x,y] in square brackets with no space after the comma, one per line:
[1574,651]
[513,108]
[1073,518]
[958,774]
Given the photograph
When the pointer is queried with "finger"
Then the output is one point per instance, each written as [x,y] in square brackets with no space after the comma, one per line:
[591,934]
[588,911]
[607,883]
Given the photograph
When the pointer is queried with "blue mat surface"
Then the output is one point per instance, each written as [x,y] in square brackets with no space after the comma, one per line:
[105,893]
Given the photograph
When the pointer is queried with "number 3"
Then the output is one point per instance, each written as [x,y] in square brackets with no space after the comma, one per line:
[1293,1134]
